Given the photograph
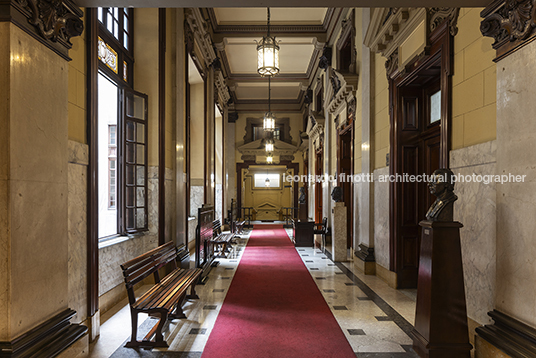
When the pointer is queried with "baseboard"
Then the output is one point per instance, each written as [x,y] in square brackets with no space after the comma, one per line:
[48,339]
[388,276]
[366,267]
[514,338]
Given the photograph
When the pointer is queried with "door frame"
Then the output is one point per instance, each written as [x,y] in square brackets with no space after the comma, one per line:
[440,52]
[344,131]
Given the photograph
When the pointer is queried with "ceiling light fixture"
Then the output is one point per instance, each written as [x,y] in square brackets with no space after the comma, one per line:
[269,159]
[268,54]
[269,145]
[269,117]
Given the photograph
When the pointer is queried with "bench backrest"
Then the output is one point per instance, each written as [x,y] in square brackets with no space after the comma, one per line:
[204,234]
[216,228]
[137,269]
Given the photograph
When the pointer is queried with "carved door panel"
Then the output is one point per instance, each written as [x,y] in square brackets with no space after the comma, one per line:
[345,167]
[319,166]
[418,153]
[410,196]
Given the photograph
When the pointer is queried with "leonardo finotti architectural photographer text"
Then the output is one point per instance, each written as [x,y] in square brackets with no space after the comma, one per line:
[405,178]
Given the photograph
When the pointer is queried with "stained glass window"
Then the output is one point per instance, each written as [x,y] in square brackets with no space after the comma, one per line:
[107,55]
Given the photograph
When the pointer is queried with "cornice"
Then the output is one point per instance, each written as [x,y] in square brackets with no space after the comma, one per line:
[52,22]
[199,29]
[512,23]
[342,90]
[274,29]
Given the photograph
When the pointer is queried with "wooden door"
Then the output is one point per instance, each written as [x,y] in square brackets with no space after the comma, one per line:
[319,165]
[345,167]
[418,153]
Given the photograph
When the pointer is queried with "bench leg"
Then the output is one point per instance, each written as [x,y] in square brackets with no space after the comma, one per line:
[192,294]
[178,313]
[134,335]
[159,337]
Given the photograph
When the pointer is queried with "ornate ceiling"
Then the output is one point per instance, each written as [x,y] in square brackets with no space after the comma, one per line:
[301,33]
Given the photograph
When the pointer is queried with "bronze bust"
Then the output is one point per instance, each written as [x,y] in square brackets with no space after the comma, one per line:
[336,194]
[442,186]
[302,198]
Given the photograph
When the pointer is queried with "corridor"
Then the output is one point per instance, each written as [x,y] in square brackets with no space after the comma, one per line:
[376,320]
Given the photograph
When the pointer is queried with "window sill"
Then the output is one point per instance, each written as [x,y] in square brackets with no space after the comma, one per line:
[114,241]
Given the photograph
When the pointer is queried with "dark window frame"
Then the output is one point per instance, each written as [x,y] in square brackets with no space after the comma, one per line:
[125,87]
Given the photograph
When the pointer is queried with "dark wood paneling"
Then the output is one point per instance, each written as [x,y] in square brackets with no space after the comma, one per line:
[92,182]
[46,340]
[161,126]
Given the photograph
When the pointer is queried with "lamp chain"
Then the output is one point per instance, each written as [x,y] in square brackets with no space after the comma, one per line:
[268,21]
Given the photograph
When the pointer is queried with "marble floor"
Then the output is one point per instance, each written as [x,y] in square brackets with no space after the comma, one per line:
[375,318]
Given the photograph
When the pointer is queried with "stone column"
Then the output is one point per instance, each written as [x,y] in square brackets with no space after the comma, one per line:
[210,178]
[34,242]
[338,240]
[180,119]
[364,232]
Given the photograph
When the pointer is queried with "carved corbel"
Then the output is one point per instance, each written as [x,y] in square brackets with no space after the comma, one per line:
[54,21]
[511,23]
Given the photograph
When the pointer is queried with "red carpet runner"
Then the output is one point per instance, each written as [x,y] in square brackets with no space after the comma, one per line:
[273,308]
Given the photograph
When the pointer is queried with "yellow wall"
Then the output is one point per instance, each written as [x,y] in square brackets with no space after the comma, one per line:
[380,110]
[77,90]
[171,75]
[146,71]
[474,84]
[197,131]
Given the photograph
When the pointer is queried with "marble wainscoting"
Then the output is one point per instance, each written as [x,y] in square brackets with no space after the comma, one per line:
[111,284]
[196,198]
[381,218]
[78,160]
[476,210]
[516,202]
[170,204]
[152,199]
[218,205]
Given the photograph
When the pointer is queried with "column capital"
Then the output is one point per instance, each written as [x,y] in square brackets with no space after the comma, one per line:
[52,22]
[511,23]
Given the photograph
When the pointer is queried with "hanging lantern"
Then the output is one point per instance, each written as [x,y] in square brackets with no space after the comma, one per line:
[269,122]
[268,54]
[269,145]
[267,182]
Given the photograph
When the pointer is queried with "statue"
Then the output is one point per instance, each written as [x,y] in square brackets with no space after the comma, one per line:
[302,197]
[336,194]
[442,186]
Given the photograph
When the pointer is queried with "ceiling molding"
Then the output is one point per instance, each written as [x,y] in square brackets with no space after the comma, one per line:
[274,29]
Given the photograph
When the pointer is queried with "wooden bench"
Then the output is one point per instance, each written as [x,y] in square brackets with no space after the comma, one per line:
[322,229]
[222,241]
[164,298]
[236,225]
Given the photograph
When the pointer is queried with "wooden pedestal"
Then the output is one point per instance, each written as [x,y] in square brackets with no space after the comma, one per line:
[441,317]
[303,233]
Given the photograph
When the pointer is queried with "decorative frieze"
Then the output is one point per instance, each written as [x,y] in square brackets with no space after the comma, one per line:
[511,23]
[52,22]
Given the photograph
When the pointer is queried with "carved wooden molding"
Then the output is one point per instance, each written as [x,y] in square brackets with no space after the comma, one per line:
[347,34]
[342,90]
[391,65]
[512,23]
[315,129]
[53,22]
[439,14]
